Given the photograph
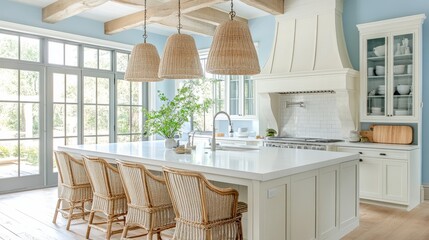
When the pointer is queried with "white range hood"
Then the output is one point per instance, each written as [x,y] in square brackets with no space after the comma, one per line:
[309,55]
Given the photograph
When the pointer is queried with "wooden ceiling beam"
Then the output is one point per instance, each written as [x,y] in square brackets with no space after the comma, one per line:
[155,14]
[275,7]
[63,9]
[190,24]
[211,16]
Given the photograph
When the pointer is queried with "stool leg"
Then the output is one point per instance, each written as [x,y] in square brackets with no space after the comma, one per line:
[124,232]
[56,210]
[91,218]
[109,227]
[72,206]
[83,210]
[240,230]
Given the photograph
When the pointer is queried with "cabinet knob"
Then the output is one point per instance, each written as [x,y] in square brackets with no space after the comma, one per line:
[383,154]
[360,160]
[360,152]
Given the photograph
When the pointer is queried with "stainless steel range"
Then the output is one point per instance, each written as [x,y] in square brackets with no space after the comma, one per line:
[302,143]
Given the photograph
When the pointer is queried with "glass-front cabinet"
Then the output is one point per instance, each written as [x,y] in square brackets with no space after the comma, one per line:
[390,69]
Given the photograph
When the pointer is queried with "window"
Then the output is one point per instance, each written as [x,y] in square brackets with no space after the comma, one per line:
[62,54]
[83,101]
[233,94]
[65,109]
[121,61]
[219,93]
[19,47]
[129,117]
[96,109]
[249,99]
[97,58]
[20,122]
[9,46]
[29,49]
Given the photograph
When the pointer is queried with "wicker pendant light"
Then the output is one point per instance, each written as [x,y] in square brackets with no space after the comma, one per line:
[180,59]
[144,61]
[232,51]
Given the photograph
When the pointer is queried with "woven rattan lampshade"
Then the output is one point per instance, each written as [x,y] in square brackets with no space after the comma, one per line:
[232,51]
[144,63]
[180,59]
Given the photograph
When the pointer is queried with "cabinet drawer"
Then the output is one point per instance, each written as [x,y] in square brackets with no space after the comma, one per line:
[377,153]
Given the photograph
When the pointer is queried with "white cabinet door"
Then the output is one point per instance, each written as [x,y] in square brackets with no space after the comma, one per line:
[328,202]
[395,180]
[303,206]
[370,178]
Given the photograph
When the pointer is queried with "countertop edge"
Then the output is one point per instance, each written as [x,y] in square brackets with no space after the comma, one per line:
[346,157]
[378,145]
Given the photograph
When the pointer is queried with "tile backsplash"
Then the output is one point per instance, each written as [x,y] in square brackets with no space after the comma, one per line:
[318,118]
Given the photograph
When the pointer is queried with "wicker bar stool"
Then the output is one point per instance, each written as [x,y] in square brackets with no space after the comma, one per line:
[203,211]
[149,204]
[109,196]
[73,187]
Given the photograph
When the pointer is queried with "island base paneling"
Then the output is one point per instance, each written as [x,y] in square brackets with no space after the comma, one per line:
[282,187]
[320,204]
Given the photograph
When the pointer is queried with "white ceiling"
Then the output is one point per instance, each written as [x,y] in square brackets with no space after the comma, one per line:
[111,10]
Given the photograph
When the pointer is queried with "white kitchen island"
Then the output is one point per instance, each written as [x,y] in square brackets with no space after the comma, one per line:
[291,193]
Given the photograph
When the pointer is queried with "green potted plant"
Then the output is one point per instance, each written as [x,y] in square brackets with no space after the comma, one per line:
[169,118]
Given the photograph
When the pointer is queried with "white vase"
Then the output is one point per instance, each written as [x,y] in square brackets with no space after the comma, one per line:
[169,143]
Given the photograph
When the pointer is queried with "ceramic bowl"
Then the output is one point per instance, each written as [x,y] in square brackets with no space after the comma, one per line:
[376,109]
[379,51]
[403,89]
[398,69]
[400,112]
[379,70]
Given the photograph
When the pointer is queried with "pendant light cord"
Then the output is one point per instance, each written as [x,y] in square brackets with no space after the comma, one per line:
[180,23]
[145,19]
[232,13]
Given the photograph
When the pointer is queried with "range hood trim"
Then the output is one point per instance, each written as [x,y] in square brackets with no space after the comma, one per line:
[345,79]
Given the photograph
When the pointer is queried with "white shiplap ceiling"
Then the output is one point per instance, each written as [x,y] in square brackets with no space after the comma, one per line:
[115,9]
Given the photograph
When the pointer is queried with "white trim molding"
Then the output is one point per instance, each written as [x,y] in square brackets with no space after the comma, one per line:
[62,35]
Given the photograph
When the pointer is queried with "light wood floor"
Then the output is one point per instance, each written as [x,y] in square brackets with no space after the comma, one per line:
[28,215]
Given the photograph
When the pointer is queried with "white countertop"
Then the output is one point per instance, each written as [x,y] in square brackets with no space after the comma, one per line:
[262,165]
[378,145]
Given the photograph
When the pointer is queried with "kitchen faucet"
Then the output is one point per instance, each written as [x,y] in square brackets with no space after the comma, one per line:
[213,144]
[191,138]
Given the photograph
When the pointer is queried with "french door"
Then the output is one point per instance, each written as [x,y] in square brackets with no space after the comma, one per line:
[63,113]
[22,155]
[72,107]
[79,106]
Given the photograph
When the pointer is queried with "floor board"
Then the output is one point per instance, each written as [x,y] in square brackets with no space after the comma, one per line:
[378,222]
[28,215]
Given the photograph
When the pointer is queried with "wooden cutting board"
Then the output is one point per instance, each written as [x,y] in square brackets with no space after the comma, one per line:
[392,134]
